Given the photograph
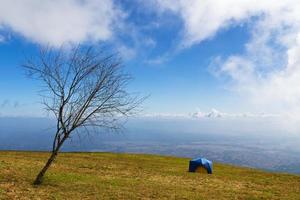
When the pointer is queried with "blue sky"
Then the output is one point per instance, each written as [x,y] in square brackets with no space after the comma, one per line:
[194,58]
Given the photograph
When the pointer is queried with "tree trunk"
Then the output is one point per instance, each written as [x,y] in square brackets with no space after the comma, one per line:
[39,178]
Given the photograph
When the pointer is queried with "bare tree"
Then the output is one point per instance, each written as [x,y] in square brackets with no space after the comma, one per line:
[82,87]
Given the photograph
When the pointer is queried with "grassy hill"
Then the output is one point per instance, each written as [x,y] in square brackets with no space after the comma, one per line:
[128,176]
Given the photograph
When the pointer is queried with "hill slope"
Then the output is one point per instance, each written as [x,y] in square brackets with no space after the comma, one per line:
[127,176]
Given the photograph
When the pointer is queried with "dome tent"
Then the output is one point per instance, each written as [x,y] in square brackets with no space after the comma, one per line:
[201,165]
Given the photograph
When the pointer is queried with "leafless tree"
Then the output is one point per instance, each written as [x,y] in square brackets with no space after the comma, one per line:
[82,87]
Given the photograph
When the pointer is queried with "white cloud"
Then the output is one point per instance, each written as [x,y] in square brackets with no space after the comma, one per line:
[60,21]
[158,60]
[214,113]
[204,18]
[126,53]
[2,38]
[267,74]
[165,115]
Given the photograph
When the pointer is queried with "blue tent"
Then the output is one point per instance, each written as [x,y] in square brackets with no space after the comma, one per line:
[200,163]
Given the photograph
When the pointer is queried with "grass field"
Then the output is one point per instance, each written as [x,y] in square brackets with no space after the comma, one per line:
[130,176]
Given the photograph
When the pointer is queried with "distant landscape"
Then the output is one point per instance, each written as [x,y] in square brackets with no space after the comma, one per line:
[152,137]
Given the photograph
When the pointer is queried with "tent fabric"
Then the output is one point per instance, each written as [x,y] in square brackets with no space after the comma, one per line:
[200,162]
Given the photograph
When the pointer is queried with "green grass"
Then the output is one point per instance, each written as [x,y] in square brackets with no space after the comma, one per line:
[131,176]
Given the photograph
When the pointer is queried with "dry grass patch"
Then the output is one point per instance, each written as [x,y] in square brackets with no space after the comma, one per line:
[131,176]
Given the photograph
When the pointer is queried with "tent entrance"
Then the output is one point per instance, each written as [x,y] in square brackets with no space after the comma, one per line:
[201,170]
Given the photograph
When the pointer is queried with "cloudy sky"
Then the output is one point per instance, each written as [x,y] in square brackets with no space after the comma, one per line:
[200,58]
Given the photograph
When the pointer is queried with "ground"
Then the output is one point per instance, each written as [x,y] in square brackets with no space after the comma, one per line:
[133,176]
